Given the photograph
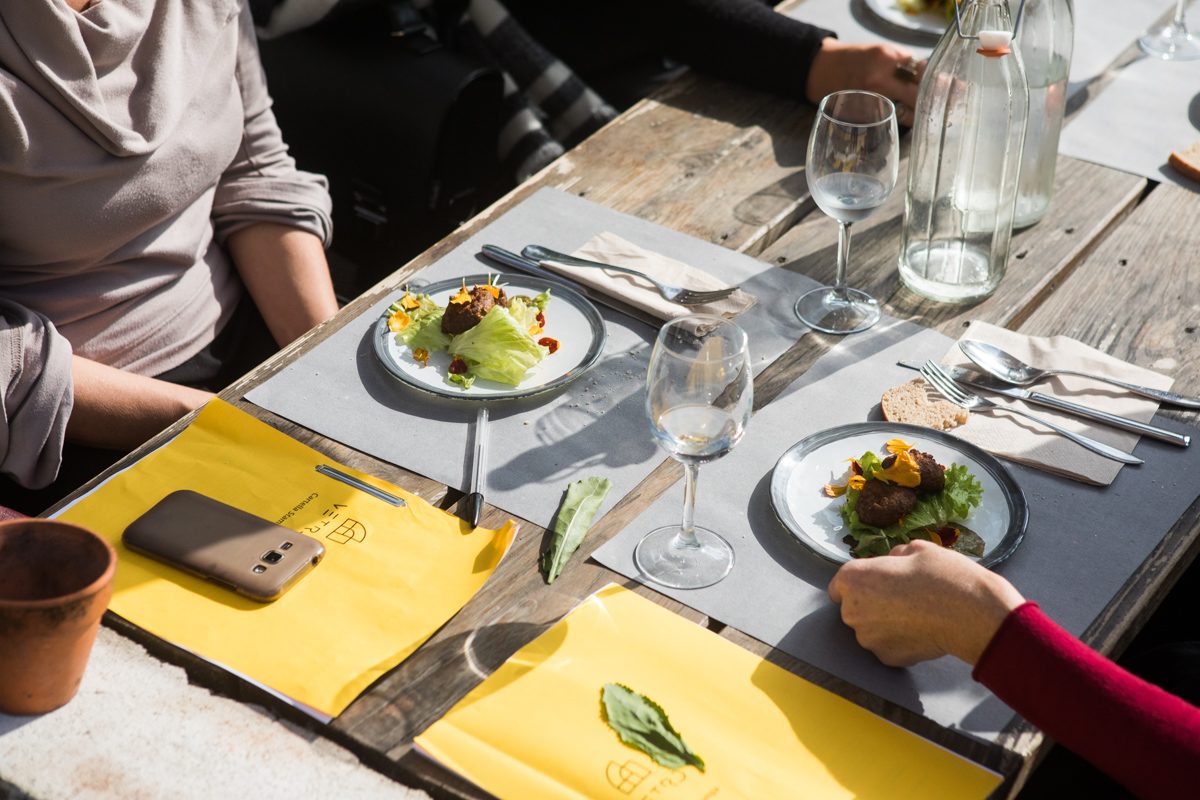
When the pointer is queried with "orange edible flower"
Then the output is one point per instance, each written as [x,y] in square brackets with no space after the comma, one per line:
[534,330]
[494,291]
[837,490]
[409,302]
[897,446]
[398,321]
[422,355]
[903,471]
[933,537]
[463,295]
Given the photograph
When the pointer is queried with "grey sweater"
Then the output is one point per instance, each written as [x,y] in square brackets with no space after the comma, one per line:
[134,138]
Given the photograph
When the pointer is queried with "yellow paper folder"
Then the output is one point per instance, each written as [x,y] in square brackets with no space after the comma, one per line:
[391,575]
[534,728]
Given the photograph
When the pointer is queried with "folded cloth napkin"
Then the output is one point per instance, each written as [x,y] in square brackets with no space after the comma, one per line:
[640,294]
[1024,441]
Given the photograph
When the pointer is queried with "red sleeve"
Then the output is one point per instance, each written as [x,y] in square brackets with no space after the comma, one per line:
[1142,736]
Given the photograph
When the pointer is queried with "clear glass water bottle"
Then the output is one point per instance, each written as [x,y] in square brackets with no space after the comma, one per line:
[965,159]
[1045,39]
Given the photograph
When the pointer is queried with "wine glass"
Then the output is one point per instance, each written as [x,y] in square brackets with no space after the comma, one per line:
[698,398]
[852,165]
[1172,42]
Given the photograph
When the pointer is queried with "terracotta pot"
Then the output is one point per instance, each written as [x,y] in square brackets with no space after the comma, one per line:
[55,582]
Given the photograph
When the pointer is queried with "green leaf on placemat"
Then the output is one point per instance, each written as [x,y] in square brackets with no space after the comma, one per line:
[641,723]
[581,503]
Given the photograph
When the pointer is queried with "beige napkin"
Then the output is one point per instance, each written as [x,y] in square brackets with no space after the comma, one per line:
[638,293]
[1022,440]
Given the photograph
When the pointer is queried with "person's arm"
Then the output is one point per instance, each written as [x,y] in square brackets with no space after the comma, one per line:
[272,217]
[1144,737]
[284,270]
[119,410]
[750,42]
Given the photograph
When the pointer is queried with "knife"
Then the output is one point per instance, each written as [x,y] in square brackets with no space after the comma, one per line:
[528,265]
[989,384]
[473,504]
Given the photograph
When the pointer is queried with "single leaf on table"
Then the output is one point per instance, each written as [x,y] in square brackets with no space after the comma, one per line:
[574,517]
[642,723]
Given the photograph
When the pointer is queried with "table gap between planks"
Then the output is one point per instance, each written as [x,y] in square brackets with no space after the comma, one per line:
[725,164]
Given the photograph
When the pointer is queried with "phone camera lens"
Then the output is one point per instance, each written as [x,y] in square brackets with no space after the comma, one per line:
[273,557]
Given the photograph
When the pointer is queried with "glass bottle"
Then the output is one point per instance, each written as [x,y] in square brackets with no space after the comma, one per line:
[965,159]
[1045,39]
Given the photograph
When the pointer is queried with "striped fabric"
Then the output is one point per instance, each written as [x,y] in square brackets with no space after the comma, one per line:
[547,108]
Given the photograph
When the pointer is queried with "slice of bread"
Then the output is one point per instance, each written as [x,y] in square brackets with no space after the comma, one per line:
[1187,161]
[918,404]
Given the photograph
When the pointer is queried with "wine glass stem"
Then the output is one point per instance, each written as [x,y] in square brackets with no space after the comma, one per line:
[1178,21]
[687,528]
[843,256]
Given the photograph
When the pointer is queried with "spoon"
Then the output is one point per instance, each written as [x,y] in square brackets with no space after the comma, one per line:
[1008,368]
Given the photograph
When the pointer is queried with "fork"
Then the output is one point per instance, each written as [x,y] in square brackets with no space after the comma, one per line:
[952,391]
[676,294]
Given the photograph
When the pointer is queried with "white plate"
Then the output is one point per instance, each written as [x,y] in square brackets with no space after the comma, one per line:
[570,318]
[815,519]
[931,22]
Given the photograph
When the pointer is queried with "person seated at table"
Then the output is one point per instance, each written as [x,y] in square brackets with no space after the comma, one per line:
[570,65]
[924,601]
[156,239]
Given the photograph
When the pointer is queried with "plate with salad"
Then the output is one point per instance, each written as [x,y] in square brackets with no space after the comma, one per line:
[924,16]
[859,490]
[489,337]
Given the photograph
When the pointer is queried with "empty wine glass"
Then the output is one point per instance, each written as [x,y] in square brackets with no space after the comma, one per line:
[698,398]
[1172,42]
[852,165]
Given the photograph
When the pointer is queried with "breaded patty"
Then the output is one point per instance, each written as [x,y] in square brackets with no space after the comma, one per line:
[881,503]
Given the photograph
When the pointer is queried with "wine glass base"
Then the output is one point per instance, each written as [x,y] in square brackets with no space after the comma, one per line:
[658,557]
[838,311]
[1170,44]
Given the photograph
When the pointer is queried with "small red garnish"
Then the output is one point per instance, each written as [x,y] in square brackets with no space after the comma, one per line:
[457,366]
[541,319]
[948,535]
[549,343]
[854,467]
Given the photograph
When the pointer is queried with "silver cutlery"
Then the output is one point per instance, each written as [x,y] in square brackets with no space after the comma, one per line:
[362,486]
[676,294]
[990,384]
[1009,368]
[473,503]
[946,386]
[531,267]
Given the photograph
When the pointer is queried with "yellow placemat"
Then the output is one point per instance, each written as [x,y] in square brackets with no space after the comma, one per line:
[391,575]
[534,728]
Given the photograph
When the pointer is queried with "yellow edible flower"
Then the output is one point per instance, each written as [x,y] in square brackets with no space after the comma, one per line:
[903,471]
[897,446]
[409,302]
[837,490]
[398,321]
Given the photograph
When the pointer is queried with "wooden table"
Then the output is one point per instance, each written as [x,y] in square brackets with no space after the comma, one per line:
[724,164]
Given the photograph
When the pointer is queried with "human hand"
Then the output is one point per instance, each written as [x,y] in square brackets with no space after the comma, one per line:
[922,601]
[881,68]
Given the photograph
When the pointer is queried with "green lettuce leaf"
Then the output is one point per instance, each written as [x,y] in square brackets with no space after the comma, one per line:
[579,506]
[641,723]
[425,330]
[525,309]
[498,348]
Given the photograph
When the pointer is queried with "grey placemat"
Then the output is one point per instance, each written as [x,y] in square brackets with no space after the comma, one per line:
[1082,543]
[596,426]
